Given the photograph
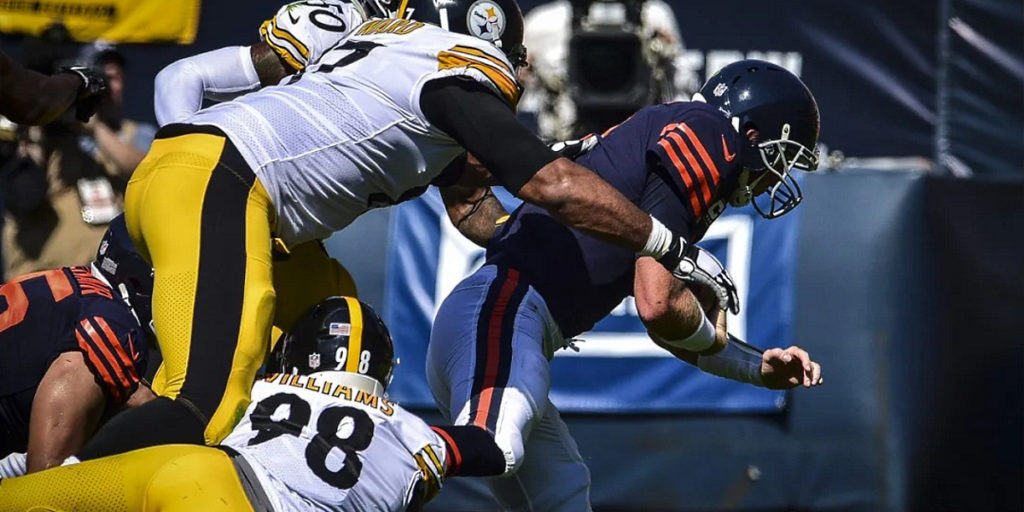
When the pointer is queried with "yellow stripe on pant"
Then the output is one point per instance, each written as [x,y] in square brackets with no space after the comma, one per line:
[168,478]
[197,212]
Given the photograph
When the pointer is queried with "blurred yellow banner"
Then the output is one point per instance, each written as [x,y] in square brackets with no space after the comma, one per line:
[119,21]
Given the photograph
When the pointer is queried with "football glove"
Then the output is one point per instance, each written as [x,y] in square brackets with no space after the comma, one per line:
[572,149]
[696,265]
[90,93]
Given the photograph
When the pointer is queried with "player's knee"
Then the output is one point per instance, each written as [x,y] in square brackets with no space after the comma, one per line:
[510,441]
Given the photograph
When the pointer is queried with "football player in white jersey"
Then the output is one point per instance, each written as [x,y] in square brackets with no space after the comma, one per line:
[319,435]
[371,123]
[298,34]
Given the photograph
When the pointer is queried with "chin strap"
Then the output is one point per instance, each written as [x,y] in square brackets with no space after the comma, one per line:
[744,193]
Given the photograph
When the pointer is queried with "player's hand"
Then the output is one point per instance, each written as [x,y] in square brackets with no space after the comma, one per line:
[701,268]
[90,93]
[573,148]
[789,368]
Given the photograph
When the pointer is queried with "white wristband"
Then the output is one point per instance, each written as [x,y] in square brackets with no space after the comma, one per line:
[659,241]
[699,341]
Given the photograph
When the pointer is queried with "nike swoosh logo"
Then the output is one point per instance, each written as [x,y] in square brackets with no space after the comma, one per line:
[725,150]
[134,354]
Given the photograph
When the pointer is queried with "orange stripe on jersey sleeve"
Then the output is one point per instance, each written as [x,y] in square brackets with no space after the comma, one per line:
[456,458]
[681,169]
[60,285]
[107,352]
[97,365]
[692,160]
[715,177]
[127,360]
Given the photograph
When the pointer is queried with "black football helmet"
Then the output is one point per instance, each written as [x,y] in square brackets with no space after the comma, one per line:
[374,8]
[338,334]
[766,97]
[128,274]
[499,22]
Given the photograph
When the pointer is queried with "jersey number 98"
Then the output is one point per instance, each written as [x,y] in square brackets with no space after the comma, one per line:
[269,425]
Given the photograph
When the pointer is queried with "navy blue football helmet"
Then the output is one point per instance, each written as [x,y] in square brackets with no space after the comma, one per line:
[499,22]
[128,274]
[338,334]
[759,95]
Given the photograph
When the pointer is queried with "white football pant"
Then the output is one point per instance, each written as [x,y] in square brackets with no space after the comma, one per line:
[487,365]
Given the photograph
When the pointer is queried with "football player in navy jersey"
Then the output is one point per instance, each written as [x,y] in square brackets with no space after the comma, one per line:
[72,350]
[544,282]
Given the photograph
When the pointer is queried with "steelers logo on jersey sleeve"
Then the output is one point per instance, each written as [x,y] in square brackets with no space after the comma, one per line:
[486,20]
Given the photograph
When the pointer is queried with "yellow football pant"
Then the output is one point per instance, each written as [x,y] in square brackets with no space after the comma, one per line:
[168,478]
[197,212]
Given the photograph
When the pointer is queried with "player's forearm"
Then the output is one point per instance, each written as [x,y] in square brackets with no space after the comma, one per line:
[217,75]
[475,212]
[35,99]
[673,315]
[669,311]
[59,438]
[579,198]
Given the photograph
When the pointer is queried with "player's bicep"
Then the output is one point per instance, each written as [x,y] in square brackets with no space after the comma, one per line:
[484,125]
[218,75]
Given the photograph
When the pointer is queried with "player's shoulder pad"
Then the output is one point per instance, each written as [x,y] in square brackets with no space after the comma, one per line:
[302,31]
[474,57]
[113,309]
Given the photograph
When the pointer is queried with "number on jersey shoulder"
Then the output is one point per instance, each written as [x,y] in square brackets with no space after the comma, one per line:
[292,32]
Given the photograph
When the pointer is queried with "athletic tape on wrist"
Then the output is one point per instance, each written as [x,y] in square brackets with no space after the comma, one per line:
[701,339]
[659,241]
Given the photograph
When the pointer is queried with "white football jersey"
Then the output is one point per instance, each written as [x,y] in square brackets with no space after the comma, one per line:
[348,134]
[302,31]
[318,442]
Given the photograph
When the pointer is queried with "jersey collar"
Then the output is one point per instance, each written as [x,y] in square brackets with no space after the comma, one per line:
[352,380]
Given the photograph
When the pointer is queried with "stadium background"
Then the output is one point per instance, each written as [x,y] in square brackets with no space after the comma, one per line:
[907,279]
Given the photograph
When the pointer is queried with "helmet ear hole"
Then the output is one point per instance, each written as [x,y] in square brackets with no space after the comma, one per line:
[750,132]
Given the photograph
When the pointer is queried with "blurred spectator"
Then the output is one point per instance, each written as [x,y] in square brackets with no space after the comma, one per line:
[82,170]
[547,35]
[117,143]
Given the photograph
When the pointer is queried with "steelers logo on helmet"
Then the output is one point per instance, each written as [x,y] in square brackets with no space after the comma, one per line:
[486,20]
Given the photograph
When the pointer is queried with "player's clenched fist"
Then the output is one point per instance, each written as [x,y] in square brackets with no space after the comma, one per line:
[789,368]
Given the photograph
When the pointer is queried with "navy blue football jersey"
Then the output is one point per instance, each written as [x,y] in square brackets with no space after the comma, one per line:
[677,161]
[44,314]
